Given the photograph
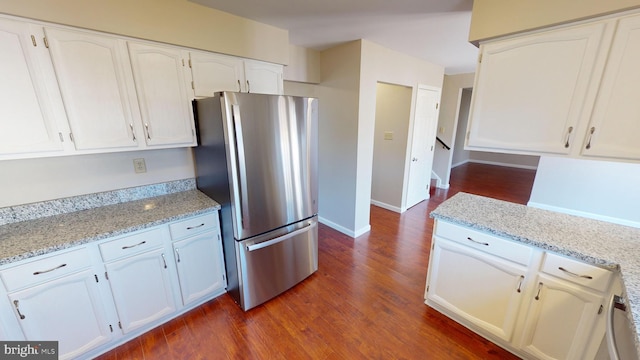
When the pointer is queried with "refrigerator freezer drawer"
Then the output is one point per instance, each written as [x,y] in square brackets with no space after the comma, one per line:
[273,266]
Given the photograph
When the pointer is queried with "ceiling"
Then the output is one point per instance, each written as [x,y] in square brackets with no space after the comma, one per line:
[432,30]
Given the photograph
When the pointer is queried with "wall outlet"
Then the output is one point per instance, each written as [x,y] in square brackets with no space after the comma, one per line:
[388,135]
[139,166]
[441,130]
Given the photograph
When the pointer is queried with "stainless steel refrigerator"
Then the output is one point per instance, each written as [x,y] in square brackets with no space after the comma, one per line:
[257,157]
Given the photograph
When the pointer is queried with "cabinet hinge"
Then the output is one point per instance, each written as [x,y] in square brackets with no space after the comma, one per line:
[61,137]
[224,277]
[96,276]
[480,58]
[427,288]
[193,133]
[106,276]
[189,63]
[119,325]
[468,133]
[600,309]
[46,42]
[437,104]
[110,327]
[71,137]
[192,86]
[33,40]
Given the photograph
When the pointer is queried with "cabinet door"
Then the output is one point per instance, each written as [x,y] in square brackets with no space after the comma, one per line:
[200,266]
[212,73]
[560,320]
[529,94]
[28,122]
[483,289]
[91,72]
[615,124]
[141,289]
[68,309]
[263,78]
[165,106]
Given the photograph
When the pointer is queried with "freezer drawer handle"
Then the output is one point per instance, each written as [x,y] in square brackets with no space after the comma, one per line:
[264,244]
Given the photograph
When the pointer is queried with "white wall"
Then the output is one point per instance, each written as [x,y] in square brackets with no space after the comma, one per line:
[347,109]
[304,65]
[34,180]
[178,22]
[597,189]
[448,123]
[393,110]
[460,155]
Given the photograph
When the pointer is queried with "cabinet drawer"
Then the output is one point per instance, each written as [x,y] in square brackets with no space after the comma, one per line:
[45,269]
[131,245]
[576,271]
[491,244]
[194,225]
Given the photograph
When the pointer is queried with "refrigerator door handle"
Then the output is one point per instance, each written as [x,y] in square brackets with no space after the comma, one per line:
[264,244]
[241,178]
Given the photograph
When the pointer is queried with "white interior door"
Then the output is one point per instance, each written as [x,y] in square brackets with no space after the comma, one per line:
[422,143]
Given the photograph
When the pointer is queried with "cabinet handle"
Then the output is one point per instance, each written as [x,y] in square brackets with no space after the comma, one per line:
[177,255]
[538,293]
[574,274]
[46,271]
[194,227]
[477,242]
[520,283]
[132,132]
[591,131]
[569,130]
[16,304]
[146,126]
[239,86]
[164,261]
[248,87]
[132,246]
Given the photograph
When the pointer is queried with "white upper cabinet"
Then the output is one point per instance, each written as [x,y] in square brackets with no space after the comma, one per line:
[614,130]
[531,91]
[92,75]
[263,78]
[160,75]
[31,117]
[214,72]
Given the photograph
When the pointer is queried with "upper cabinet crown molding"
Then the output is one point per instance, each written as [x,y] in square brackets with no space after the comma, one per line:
[564,91]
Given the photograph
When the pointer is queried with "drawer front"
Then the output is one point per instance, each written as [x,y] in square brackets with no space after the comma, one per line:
[491,244]
[194,225]
[131,245]
[45,269]
[576,271]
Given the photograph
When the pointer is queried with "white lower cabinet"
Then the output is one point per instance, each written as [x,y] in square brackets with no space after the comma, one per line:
[536,304]
[495,285]
[59,303]
[141,289]
[102,294]
[560,320]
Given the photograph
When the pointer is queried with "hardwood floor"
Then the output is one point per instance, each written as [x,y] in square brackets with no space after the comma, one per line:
[364,302]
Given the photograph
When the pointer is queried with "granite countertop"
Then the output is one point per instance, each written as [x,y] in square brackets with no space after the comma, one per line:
[600,243]
[33,237]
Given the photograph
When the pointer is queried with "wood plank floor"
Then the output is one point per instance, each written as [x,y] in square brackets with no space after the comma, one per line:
[364,302]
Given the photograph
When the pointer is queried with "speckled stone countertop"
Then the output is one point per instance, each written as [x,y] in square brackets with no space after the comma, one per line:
[597,242]
[29,238]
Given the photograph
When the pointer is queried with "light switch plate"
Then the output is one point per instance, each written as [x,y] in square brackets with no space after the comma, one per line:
[139,166]
[388,135]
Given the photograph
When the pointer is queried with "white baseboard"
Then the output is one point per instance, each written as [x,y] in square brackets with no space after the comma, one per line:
[459,163]
[518,166]
[585,214]
[443,186]
[387,206]
[344,230]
